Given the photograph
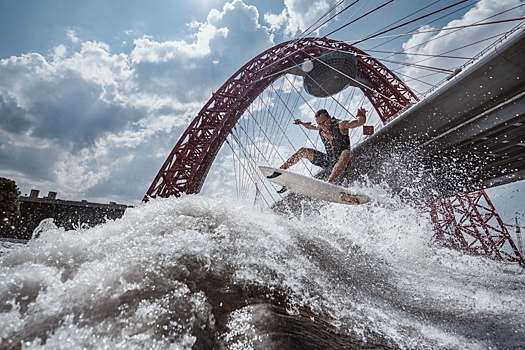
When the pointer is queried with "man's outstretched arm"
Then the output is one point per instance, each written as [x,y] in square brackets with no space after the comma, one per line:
[351,124]
[307,125]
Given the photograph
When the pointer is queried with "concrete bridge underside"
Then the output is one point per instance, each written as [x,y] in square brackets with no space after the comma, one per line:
[473,125]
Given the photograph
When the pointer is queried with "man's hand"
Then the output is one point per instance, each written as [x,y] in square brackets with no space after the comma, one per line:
[361,112]
[361,116]
[306,125]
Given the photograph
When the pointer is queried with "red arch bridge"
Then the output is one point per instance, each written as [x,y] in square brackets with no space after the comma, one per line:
[469,129]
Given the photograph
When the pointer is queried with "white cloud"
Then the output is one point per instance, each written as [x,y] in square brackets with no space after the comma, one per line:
[455,42]
[276,21]
[96,124]
[79,172]
[298,15]
[149,51]
[72,36]
[223,32]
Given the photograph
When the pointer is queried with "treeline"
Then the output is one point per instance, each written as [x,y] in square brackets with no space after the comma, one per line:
[9,207]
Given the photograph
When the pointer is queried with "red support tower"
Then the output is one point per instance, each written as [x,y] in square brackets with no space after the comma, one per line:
[471,223]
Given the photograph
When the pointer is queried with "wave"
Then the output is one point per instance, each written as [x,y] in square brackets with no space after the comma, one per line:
[201,272]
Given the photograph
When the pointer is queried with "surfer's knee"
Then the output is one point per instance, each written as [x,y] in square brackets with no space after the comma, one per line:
[305,152]
[345,155]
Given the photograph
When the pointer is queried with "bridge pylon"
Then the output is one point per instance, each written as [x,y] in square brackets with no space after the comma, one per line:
[470,223]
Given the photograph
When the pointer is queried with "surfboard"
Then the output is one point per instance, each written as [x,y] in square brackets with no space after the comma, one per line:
[312,187]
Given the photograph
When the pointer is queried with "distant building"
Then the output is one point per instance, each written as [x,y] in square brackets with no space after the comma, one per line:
[65,213]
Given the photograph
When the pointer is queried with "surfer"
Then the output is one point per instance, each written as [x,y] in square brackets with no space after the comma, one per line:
[334,134]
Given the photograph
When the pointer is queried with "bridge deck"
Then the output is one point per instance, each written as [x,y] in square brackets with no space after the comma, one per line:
[478,116]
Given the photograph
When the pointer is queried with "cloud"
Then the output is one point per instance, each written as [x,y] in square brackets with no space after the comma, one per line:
[72,36]
[456,42]
[276,21]
[298,16]
[96,124]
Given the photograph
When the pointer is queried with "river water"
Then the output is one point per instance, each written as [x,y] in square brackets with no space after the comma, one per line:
[212,273]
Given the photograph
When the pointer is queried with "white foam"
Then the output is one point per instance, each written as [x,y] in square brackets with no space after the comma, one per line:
[368,267]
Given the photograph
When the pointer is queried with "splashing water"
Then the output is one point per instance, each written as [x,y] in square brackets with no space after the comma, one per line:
[199,272]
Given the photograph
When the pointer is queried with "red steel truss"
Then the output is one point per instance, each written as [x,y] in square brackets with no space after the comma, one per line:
[187,166]
[471,223]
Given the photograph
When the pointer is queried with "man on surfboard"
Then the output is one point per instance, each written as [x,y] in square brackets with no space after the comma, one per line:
[334,134]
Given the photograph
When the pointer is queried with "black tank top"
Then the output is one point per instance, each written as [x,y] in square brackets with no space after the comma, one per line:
[340,142]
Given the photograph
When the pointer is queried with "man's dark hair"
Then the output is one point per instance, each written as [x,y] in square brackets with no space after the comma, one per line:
[321,112]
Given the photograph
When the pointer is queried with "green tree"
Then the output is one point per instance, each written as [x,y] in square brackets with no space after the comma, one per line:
[9,207]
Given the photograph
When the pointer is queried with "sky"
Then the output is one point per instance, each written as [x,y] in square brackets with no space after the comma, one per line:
[95,94]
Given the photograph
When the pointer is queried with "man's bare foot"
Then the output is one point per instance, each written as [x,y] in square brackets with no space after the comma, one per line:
[282,190]
[274,175]
[348,198]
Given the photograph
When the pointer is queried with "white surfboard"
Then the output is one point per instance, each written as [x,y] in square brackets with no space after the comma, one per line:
[312,187]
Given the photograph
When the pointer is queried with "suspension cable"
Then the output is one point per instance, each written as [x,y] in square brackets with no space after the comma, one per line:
[457,29]
[451,28]
[393,53]
[475,23]
[435,20]
[311,28]
[362,16]
[415,12]
[442,55]
[243,164]
[406,23]
[407,16]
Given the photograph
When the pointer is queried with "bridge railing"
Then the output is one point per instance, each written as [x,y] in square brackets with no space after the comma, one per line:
[482,53]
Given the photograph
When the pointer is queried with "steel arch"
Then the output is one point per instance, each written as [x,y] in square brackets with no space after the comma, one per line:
[187,166]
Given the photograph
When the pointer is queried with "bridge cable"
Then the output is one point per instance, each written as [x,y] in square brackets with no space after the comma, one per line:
[406,23]
[428,23]
[407,16]
[458,28]
[362,16]
[439,29]
[311,28]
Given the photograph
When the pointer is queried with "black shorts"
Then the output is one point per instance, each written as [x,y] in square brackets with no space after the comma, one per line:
[322,160]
